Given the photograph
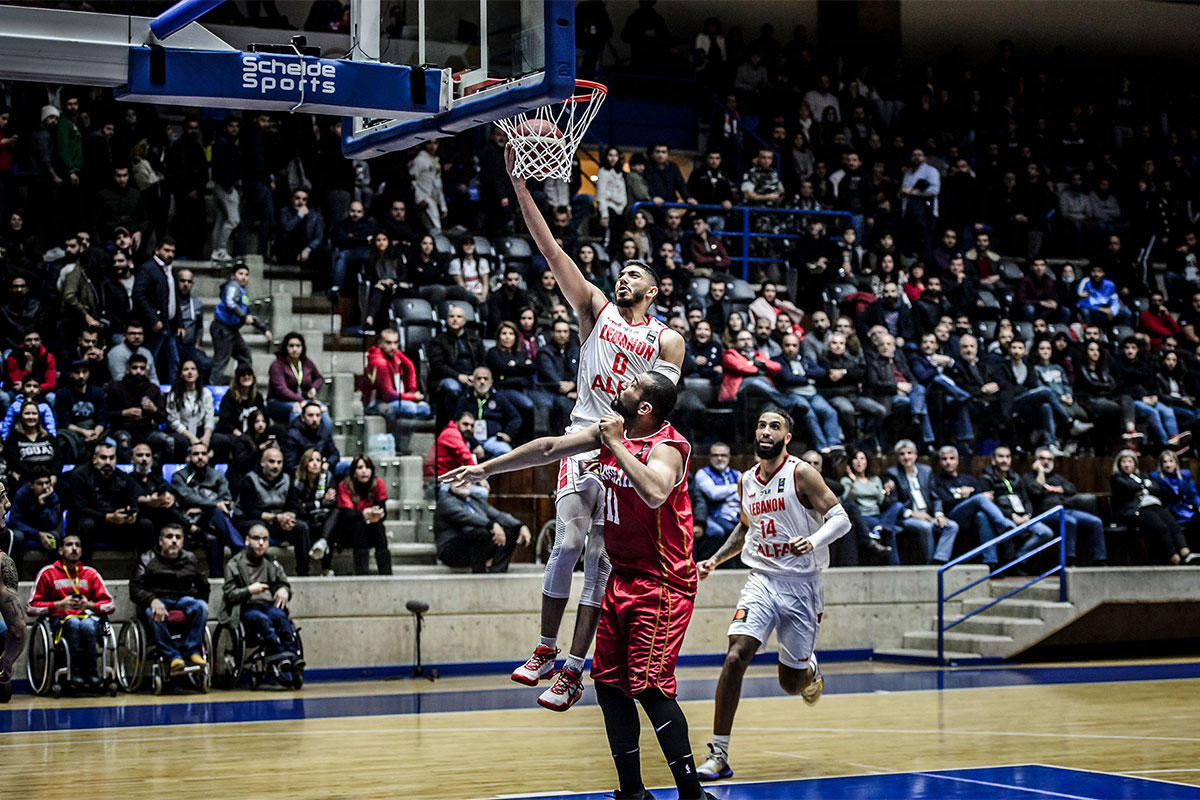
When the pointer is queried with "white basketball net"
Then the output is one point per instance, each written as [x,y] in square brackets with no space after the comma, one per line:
[544,157]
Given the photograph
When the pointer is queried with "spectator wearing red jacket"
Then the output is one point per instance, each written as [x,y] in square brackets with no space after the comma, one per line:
[390,385]
[73,595]
[744,367]
[1157,322]
[32,358]
[362,506]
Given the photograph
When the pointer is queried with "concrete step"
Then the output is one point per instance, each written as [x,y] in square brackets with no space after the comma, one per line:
[1044,590]
[1018,606]
[924,656]
[987,646]
[1012,627]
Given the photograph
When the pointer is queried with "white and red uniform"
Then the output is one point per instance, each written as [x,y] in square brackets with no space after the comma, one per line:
[783,592]
[614,353]
[648,603]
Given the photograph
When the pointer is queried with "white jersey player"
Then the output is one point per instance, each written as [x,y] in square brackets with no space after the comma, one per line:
[620,341]
[788,518]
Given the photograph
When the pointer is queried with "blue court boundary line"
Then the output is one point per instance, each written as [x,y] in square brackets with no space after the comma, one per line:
[183,709]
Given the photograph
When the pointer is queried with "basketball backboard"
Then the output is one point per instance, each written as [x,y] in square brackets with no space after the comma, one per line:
[496,58]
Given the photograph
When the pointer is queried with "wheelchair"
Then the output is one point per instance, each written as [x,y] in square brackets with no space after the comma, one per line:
[138,657]
[49,667]
[237,655]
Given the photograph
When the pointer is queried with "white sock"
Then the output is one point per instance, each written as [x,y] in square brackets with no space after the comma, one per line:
[721,744]
[548,641]
[575,664]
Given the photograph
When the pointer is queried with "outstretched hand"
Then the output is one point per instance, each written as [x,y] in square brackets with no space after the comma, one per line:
[706,567]
[462,476]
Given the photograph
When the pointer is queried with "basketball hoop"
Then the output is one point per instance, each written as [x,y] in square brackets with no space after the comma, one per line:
[545,140]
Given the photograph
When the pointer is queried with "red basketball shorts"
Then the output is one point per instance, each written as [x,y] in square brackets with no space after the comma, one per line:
[642,624]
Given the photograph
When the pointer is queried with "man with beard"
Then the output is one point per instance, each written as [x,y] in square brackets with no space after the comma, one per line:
[133,342]
[136,408]
[154,301]
[889,312]
[10,611]
[788,519]
[619,340]
[72,594]
[648,603]
[168,578]
[103,503]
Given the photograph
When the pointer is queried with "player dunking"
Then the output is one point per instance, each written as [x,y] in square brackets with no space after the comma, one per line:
[11,610]
[789,517]
[648,602]
[619,340]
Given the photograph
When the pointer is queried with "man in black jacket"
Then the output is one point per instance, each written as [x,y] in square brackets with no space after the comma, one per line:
[841,376]
[81,411]
[505,303]
[264,501]
[154,303]
[169,579]
[103,504]
[136,409]
[1009,493]
[889,386]
[892,314]
[497,421]
[976,378]
[1047,488]
[307,433]
[471,533]
[558,369]
[453,356]
[1020,393]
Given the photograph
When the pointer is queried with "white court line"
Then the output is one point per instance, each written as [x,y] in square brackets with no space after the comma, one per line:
[1153,771]
[1121,774]
[1002,786]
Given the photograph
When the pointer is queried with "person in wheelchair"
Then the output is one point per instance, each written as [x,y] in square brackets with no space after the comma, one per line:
[169,578]
[74,597]
[257,592]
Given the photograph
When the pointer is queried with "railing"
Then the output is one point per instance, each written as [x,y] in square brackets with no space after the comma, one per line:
[1059,569]
[746,234]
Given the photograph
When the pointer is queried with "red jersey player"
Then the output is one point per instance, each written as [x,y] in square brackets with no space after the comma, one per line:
[648,602]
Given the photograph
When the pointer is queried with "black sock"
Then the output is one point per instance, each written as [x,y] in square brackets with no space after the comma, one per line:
[624,729]
[672,730]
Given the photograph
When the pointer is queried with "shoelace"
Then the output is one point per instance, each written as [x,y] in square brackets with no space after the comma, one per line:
[565,684]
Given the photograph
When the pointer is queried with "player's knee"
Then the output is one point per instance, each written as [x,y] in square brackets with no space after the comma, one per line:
[738,657]
[793,681]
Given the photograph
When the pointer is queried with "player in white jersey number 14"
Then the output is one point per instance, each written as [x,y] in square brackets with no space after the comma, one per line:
[788,519]
[620,340]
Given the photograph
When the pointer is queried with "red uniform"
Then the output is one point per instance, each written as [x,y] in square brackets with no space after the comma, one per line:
[648,602]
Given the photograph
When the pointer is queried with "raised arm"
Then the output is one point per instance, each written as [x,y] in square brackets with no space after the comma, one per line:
[545,450]
[810,485]
[584,297]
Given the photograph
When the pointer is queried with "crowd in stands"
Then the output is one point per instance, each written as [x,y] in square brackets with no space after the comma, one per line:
[1016,273]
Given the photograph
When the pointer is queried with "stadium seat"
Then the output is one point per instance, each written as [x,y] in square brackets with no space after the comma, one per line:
[484,248]
[1024,330]
[1120,332]
[443,245]
[515,252]
[1010,272]
[740,290]
[698,289]
[467,309]
[413,310]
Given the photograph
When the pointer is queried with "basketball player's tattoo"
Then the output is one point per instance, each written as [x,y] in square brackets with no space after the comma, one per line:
[733,545]
[14,617]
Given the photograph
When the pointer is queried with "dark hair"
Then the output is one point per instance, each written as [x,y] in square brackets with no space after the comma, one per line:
[282,354]
[166,240]
[1131,340]
[659,391]
[242,370]
[644,267]
[134,323]
[779,412]
[177,387]
[360,491]
[138,358]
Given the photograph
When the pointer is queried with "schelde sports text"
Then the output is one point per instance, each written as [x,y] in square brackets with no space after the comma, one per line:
[287,75]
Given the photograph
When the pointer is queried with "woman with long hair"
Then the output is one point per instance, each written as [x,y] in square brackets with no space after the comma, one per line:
[611,197]
[872,497]
[240,401]
[190,416]
[292,380]
[733,326]
[527,331]
[247,449]
[639,232]
[362,506]
[29,445]
[470,271]
[313,496]
[387,277]
[1137,501]
[515,374]
[427,272]
[1101,396]
[1178,491]
[594,268]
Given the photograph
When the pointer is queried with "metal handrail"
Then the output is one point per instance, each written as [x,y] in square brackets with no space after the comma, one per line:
[1059,569]
[745,233]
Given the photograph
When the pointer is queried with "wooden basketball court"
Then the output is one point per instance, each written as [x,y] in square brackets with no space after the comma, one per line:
[483,737]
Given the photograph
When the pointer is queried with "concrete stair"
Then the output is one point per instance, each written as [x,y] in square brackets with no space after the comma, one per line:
[1004,630]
